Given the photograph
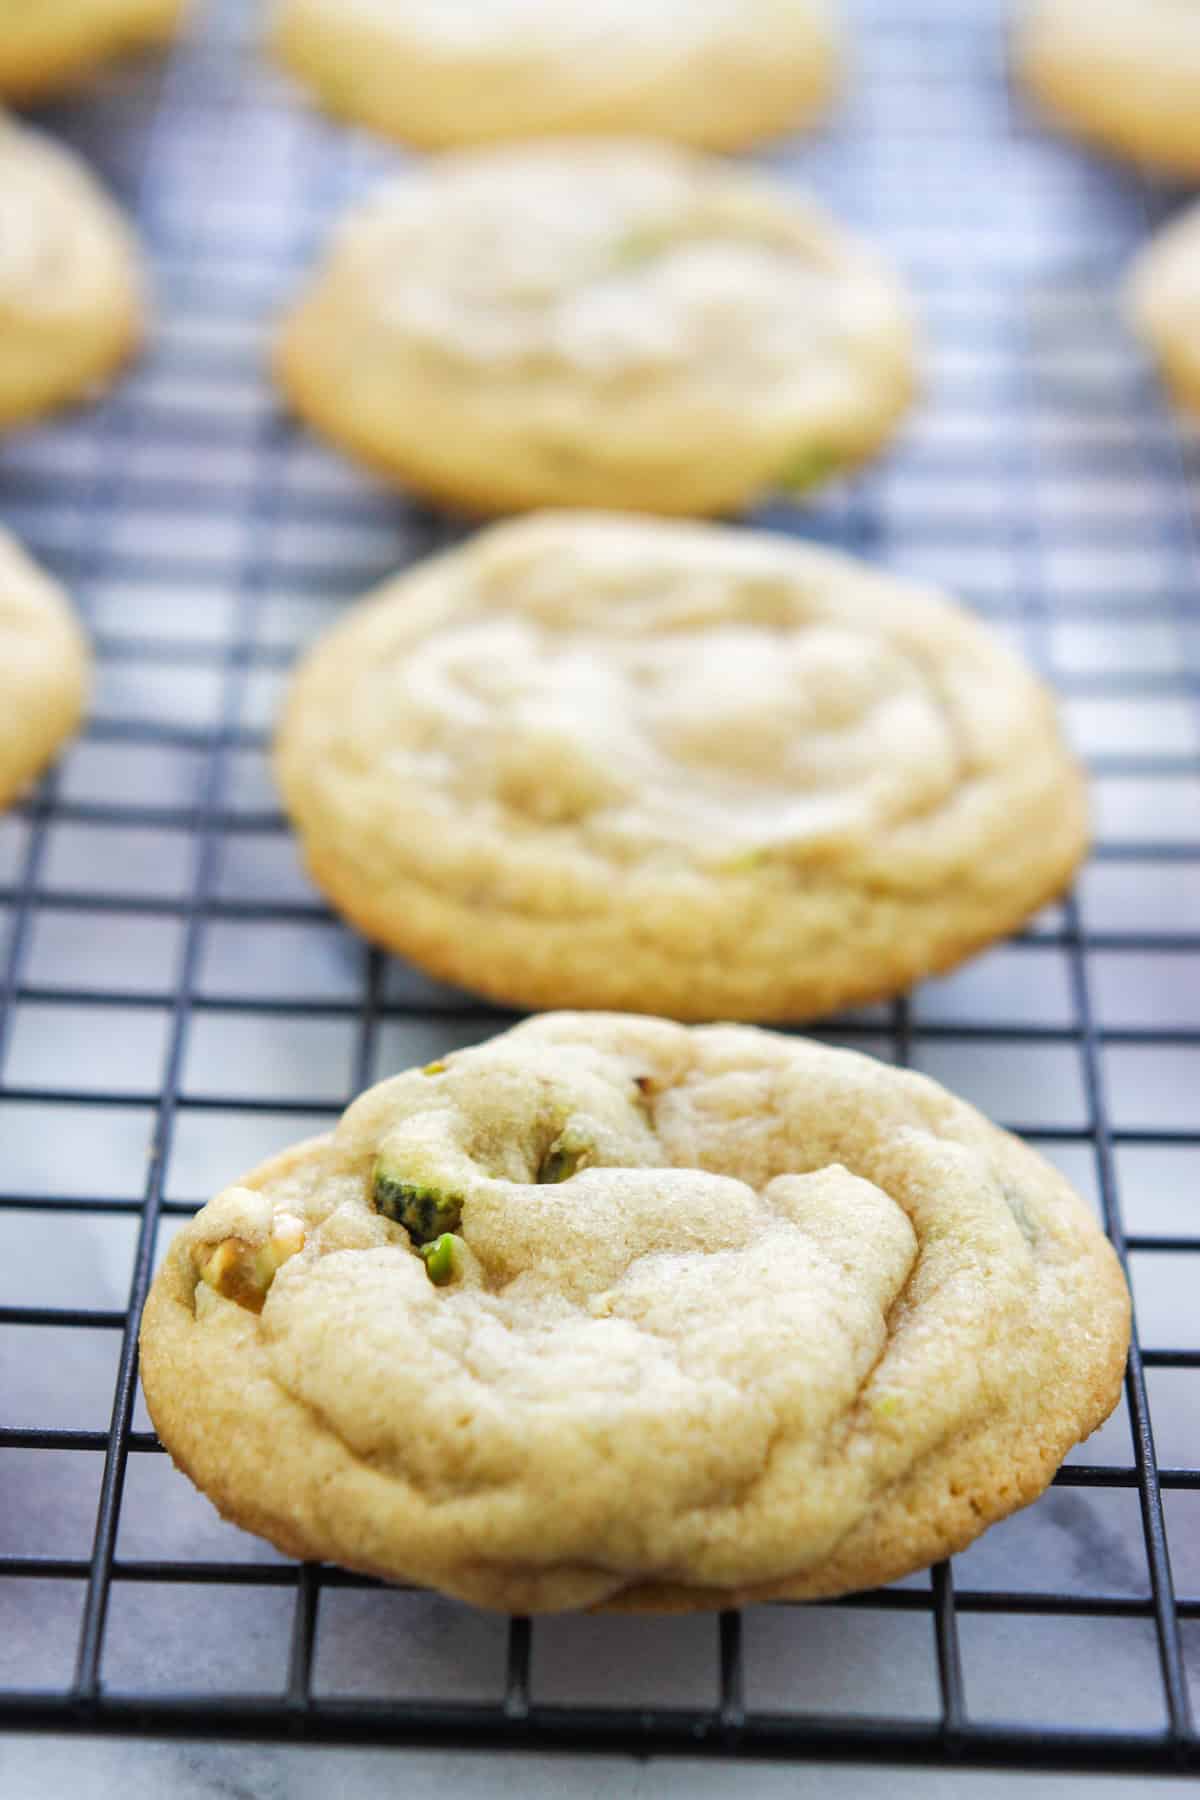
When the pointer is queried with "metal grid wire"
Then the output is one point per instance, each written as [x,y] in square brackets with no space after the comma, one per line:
[176,1001]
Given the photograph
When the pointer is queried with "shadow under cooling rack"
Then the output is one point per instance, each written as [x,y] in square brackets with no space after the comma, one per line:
[176,1002]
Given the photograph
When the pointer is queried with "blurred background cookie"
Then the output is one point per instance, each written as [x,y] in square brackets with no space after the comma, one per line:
[46,45]
[71,304]
[1163,301]
[607,323]
[43,669]
[1123,73]
[608,762]
[720,73]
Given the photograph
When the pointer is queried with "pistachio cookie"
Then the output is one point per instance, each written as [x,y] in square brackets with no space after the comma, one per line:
[43,669]
[610,762]
[1123,73]
[71,305]
[612,1313]
[598,324]
[716,73]
[1163,300]
[46,45]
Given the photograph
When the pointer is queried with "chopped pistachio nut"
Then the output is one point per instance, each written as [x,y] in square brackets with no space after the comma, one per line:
[569,1153]
[442,1258]
[640,244]
[742,862]
[808,469]
[1020,1212]
[243,1272]
[424,1211]
[434,1068]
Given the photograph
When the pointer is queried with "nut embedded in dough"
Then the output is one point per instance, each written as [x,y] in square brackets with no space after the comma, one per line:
[425,1211]
[442,1258]
[805,1323]
[243,1272]
[571,1151]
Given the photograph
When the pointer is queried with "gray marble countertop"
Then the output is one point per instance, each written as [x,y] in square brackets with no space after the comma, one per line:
[43,1769]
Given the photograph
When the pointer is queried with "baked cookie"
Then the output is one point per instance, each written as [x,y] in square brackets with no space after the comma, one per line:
[1124,74]
[684,769]
[47,45]
[43,669]
[1163,301]
[715,73]
[71,305]
[598,324]
[612,1313]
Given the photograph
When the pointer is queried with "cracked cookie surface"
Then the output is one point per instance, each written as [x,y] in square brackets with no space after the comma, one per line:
[46,45]
[1124,74]
[716,73]
[43,668]
[674,768]
[606,324]
[801,1323]
[71,304]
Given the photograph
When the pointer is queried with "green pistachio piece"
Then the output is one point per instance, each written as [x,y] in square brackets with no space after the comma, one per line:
[742,862]
[441,1258]
[644,1090]
[641,244]
[808,469]
[569,1153]
[434,1068]
[1021,1216]
[243,1272]
[424,1211]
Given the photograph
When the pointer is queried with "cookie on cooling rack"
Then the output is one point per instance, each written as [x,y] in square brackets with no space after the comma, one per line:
[71,304]
[612,1313]
[43,669]
[599,324]
[1124,74]
[1163,301]
[611,762]
[715,73]
[46,45]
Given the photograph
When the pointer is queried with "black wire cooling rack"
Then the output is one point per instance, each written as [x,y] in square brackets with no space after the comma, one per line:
[175,1001]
